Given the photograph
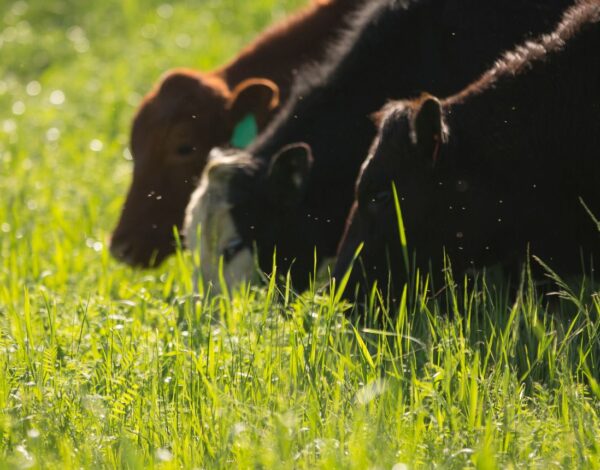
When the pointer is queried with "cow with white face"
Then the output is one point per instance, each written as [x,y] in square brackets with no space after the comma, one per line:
[241,204]
[190,111]
[282,212]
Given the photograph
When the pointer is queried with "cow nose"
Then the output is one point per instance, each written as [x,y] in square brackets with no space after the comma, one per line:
[122,250]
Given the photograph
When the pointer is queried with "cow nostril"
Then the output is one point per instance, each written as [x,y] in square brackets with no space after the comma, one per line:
[121,249]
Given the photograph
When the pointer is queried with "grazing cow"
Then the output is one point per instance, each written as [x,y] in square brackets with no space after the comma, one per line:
[295,197]
[500,168]
[189,112]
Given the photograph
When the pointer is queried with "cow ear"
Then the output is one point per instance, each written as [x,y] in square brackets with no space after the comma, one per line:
[429,129]
[288,174]
[254,99]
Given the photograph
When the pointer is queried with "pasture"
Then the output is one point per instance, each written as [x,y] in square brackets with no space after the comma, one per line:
[103,366]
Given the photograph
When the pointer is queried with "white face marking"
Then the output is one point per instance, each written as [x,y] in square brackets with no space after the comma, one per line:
[209,228]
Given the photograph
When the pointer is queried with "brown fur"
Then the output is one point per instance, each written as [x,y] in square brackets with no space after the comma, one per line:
[188,112]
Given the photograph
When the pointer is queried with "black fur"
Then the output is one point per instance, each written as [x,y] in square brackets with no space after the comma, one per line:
[517,150]
[395,49]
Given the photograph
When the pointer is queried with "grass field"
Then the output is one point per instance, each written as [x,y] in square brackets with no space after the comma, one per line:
[105,367]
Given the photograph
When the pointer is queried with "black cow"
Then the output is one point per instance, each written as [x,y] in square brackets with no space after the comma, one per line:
[499,167]
[395,48]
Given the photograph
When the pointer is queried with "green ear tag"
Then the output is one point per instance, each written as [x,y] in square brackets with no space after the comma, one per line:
[244,132]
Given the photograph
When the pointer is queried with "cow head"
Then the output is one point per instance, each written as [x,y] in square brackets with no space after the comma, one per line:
[173,131]
[414,154]
[242,204]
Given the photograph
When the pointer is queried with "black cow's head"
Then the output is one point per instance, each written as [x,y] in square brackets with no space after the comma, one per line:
[436,186]
[243,204]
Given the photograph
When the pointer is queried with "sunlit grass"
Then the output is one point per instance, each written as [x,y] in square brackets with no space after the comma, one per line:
[102,366]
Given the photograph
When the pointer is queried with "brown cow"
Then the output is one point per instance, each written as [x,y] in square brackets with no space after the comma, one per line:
[189,112]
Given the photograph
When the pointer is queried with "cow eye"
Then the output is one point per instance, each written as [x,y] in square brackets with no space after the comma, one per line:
[380,198]
[233,247]
[185,150]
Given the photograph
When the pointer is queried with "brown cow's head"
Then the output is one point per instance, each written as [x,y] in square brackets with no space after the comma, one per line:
[173,131]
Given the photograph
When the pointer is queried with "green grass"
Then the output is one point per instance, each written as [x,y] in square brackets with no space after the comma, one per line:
[104,367]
